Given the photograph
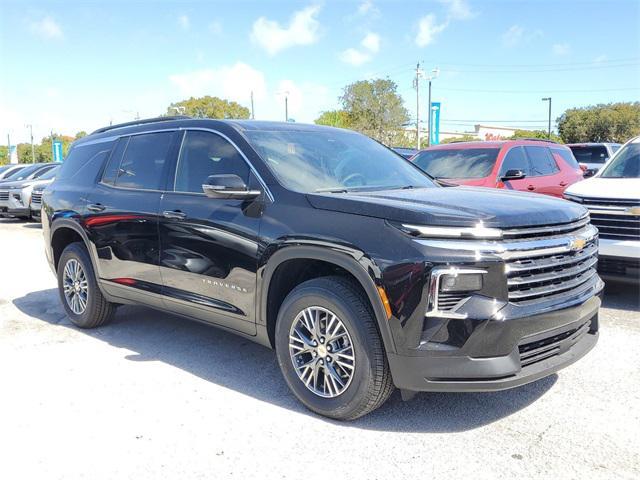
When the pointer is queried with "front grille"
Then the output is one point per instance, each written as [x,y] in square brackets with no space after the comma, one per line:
[612,216]
[542,276]
[617,226]
[539,350]
[4,195]
[36,198]
[627,267]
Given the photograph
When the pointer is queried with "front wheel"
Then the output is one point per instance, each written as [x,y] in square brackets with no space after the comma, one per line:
[82,299]
[330,351]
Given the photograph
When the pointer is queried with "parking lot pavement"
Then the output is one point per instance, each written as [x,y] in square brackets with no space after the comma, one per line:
[156,396]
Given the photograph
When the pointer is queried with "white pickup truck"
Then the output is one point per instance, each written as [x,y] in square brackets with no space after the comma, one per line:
[613,199]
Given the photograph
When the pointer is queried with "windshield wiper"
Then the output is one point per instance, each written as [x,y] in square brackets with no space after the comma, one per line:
[331,190]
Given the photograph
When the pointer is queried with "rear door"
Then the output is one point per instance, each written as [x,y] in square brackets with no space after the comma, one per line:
[545,175]
[209,246]
[122,215]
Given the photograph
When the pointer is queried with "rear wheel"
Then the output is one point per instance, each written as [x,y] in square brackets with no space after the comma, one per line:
[330,351]
[82,299]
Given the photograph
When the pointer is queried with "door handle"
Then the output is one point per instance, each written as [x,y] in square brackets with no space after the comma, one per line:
[563,184]
[531,188]
[174,214]
[96,207]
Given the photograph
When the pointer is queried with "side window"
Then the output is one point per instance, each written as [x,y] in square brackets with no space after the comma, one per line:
[144,162]
[204,154]
[111,170]
[541,161]
[42,171]
[515,160]
[567,156]
[81,155]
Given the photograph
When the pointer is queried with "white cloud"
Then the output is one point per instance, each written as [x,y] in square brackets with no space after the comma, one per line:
[305,101]
[371,42]
[428,28]
[458,9]
[370,46]
[302,30]
[561,49]
[368,8]
[513,36]
[233,82]
[46,28]
[183,21]
[600,59]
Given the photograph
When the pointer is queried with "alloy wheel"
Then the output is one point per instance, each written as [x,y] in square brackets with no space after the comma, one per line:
[321,351]
[76,286]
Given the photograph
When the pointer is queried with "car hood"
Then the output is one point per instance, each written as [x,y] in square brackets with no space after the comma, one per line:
[598,187]
[17,184]
[453,206]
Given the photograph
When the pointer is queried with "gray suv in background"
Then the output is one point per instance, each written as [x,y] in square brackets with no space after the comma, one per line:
[593,155]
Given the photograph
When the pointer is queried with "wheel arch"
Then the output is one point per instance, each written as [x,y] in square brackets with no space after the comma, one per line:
[355,264]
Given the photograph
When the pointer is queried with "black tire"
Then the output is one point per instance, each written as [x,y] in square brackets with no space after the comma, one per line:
[370,385]
[98,311]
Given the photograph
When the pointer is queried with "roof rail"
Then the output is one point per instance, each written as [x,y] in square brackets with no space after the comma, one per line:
[537,140]
[141,122]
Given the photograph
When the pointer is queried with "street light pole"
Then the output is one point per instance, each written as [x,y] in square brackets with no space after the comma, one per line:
[286,106]
[417,87]
[33,150]
[548,99]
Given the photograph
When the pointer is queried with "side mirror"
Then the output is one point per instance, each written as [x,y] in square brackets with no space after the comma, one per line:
[228,186]
[589,173]
[513,175]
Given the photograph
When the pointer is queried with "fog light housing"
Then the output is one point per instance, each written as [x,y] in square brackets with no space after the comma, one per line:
[461,282]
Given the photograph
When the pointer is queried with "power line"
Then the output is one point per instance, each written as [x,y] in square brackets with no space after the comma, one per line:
[548,70]
[521,65]
[542,91]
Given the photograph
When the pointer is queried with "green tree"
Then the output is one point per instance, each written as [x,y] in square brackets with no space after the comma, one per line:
[209,107]
[80,134]
[543,134]
[375,108]
[462,138]
[334,118]
[4,155]
[613,122]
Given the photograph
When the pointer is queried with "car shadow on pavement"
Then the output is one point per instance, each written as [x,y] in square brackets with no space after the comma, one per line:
[248,368]
[622,296]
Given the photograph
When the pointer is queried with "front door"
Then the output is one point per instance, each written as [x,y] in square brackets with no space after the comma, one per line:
[208,246]
[515,159]
[122,215]
[545,173]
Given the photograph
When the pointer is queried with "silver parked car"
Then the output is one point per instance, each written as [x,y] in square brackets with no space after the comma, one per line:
[15,194]
[593,155]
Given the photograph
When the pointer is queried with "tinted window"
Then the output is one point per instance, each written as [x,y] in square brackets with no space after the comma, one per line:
[541,162]
[515,160]
[144,161]
[590,154]
[111,170]
[50,173]
[79,156]
[42,171]
[318,159]
[457,163]
[205,154]
[567,156]
[615,148]
[24,173]
[626,163]
[12,170]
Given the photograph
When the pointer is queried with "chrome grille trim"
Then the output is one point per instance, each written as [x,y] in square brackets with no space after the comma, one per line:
[555,229]
[4,195]
[555,274]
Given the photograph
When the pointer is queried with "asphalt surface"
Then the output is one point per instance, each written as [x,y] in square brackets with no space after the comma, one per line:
[155,396]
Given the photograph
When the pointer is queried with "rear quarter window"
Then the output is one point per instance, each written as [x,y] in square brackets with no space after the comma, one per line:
[84,162]
[566,156]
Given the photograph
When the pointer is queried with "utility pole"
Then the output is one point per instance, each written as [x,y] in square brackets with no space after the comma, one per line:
[253,117]
[33,150]
[416,85]
[548,99]
[286,106]
[9,148]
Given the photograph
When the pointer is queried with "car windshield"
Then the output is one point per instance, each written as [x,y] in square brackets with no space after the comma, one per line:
[50,174]
[590,153]
[333,160]
[626,163]
[457,163]
[23,172]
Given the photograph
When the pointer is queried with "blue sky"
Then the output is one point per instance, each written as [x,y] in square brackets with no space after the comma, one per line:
[78,65]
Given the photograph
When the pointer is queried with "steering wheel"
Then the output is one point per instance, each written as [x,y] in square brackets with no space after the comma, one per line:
[349,178]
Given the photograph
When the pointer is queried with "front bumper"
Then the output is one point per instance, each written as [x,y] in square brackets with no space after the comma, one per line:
[15,205]
[540,345]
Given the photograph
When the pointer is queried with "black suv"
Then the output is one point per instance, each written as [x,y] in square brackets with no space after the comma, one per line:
[354,265]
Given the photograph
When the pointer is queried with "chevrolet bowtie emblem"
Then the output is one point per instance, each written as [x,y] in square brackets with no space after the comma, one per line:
[633,210]
[577,244]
